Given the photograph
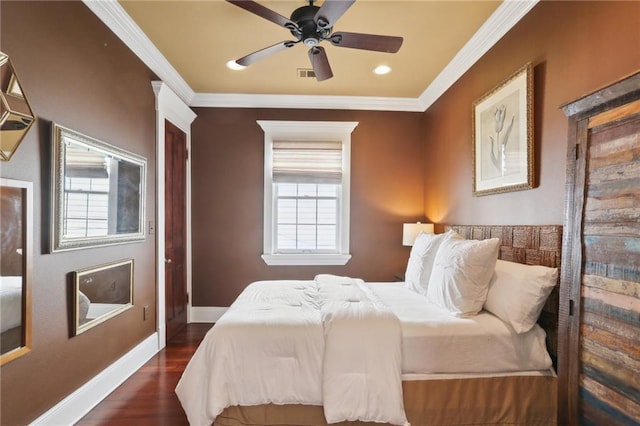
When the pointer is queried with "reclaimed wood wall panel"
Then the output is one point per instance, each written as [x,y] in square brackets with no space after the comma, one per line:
[609,383]
[599,320]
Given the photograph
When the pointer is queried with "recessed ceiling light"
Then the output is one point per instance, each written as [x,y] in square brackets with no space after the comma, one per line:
[382,69]
[233,65]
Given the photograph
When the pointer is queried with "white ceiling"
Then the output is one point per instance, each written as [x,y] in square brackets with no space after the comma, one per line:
[188,42]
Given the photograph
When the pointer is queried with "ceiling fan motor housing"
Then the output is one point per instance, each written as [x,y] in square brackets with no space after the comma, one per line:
[308,30]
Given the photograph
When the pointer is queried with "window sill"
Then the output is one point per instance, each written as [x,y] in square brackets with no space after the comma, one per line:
[305,259]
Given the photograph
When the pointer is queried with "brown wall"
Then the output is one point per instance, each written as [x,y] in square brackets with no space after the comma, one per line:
[575,47]
[228,154]
[75,72]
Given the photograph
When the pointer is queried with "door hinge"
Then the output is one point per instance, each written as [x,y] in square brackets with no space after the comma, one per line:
[577,151]
[571,303]
[187,298]
[186,157]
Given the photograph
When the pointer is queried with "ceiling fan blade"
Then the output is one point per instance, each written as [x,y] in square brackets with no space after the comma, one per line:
[331,11]
[379,43]
[263,53]
[320,63]
[264,12]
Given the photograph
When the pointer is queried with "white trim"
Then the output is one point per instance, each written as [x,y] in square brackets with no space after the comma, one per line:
[169,107]
[307,131]
[306,259]
[120,23]
[82,400]
[499,23]
[208,314]
[233,100]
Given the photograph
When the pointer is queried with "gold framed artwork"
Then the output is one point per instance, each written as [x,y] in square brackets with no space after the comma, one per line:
[503,136]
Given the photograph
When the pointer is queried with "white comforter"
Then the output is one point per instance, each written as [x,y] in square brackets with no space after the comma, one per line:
[362,375]
[10,303]
[318,343]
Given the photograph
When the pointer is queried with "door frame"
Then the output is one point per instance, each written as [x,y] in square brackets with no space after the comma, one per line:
[171,108]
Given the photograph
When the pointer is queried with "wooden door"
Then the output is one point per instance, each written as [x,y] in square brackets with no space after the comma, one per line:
[600,303]
[176,298]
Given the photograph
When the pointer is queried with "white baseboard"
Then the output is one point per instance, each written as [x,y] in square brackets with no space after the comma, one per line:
[75,406]
[206,313]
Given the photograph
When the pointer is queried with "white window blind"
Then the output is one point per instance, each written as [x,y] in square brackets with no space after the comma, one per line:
[307,162]
[83,163]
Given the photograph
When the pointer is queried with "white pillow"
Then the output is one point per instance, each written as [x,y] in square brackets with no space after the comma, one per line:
[518,292]
[461,273]
[421,260]
[83,306]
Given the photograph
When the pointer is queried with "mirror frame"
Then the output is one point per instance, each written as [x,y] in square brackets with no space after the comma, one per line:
[79,275]
[15,110]
[59,242]
[27,266]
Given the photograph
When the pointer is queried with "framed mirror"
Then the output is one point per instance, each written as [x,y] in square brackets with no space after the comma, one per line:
[16,249]
[100,293]
[98,192]
[16,117]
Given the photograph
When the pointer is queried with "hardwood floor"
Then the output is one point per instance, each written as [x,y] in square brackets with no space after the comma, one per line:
[148,397]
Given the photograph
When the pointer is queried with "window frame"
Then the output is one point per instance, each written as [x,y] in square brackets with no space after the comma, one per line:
[312,131]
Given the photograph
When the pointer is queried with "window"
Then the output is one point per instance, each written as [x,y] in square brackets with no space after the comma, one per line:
[306,192]
[86,192]
[306,217]
[86,202]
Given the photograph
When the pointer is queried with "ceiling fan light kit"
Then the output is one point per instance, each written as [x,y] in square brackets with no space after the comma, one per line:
[311,25]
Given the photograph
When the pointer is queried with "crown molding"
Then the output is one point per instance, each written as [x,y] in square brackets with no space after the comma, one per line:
[172,106]
[120,23]
[231,100]
[499,23]
[506,16]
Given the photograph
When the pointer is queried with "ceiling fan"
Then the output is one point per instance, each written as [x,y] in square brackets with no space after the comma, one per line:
[311,25]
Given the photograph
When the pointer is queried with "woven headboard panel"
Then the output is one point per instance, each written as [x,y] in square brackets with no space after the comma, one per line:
[531,245]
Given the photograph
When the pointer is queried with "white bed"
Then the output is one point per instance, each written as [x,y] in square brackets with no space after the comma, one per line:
[302,353]
[277,326]
[434,341]
[10,303]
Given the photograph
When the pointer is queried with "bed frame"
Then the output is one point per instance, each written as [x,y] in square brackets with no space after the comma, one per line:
[514,400]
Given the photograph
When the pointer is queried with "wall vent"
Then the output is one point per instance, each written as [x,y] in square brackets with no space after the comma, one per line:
[306,73]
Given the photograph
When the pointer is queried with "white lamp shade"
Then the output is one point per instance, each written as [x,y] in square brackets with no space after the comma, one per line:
[411,230]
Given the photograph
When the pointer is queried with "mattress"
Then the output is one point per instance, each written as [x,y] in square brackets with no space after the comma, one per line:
[434,341]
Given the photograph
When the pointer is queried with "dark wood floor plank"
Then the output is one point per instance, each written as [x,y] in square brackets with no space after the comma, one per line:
[148,397]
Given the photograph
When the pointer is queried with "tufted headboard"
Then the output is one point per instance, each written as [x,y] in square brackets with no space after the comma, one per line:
[531,245]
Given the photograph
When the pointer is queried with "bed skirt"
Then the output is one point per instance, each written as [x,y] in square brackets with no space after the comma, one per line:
[512,400]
